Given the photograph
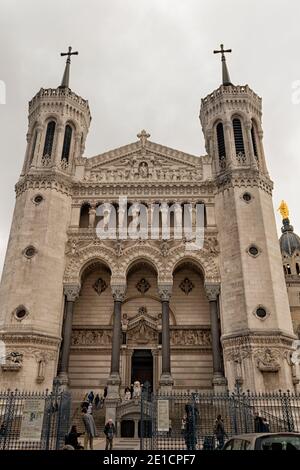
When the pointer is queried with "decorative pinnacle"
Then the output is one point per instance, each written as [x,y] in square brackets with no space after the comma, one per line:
[225,74]
[66,75]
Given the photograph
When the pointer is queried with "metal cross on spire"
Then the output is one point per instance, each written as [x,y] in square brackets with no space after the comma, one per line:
[225,74]
[66,76]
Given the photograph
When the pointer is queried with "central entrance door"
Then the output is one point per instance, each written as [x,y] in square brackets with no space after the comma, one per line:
[142,366]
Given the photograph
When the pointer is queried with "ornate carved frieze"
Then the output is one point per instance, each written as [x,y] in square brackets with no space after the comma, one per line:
[190,337]
[244,178]
[186,286]
[46,180]
[100,286]
[91,337]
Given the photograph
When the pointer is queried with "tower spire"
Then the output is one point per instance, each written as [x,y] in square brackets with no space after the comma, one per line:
[66,75]
[225,74]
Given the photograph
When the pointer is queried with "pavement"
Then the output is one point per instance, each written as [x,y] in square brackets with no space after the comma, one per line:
[119,443]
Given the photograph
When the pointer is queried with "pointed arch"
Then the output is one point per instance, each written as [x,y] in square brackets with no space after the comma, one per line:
[49,138]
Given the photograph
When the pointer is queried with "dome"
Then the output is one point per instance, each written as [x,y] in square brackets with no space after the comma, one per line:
[289,241]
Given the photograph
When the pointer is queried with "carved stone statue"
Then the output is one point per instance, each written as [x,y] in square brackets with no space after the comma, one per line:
[137,389]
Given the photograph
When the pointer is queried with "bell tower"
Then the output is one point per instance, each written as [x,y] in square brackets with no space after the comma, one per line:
[58,123]
[256,325]
[31,290]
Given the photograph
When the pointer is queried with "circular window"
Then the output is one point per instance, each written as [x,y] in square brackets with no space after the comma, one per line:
[38,199]
[261,312]
[29,252]
[253,250]
[247,197]
[20,313]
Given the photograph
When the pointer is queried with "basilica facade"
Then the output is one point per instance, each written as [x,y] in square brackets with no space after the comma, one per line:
[92,311]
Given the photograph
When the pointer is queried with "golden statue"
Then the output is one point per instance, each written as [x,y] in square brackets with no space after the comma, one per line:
[284,210]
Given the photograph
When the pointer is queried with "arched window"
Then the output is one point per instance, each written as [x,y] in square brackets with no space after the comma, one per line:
[288,268]
[253,137]
[238,136]
[221,144]
[84,216]
[67,143]
[49,139]
[298,269]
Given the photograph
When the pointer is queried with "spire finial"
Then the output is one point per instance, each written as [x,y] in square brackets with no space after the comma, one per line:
[66,75]
[225,74]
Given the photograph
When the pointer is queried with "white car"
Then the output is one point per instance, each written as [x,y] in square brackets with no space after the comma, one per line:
[264,441]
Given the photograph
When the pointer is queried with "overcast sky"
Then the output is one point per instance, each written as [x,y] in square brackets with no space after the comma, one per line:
[147,64]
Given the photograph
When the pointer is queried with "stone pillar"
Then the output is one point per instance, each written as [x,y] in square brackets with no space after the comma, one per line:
[71,292]
[252,159]
[136,428]
[166,381]
[113,383]
[219,381]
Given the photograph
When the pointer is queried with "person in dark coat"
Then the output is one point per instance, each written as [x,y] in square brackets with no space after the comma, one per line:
[190,428]
[72,438]
[105,392]
[109,431]
[258,423]
[97,401]
[91,397]
[219,431]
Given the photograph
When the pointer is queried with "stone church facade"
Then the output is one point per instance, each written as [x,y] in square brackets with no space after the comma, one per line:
[98,312]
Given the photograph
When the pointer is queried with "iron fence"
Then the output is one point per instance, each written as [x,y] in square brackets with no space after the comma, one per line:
[33,420]
[187,420]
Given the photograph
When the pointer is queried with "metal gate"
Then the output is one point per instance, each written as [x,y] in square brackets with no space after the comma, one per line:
[186,421]
[34,420]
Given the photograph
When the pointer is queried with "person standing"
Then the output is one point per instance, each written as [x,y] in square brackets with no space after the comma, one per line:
[90,429]
[219,432]
[190,427]
[91,396]
[109,431]
[105,392]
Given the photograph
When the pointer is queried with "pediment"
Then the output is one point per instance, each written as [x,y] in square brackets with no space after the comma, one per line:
[144,161]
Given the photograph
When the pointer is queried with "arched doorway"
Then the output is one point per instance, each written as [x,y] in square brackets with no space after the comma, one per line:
[142,367]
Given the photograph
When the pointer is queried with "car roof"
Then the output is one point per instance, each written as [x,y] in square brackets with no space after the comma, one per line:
[249,435]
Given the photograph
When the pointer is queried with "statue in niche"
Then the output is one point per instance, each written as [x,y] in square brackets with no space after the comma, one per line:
[143,170]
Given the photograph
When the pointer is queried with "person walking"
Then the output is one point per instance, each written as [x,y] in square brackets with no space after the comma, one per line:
[97,401]
[109,431]
[90,429]
[258,423]
[105,392]
[91,396]
[219,432]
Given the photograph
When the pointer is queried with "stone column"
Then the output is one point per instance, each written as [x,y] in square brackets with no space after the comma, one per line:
[166,380]
[212,292]
[252,159]
[229,144]
[113,383]
[71,292]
